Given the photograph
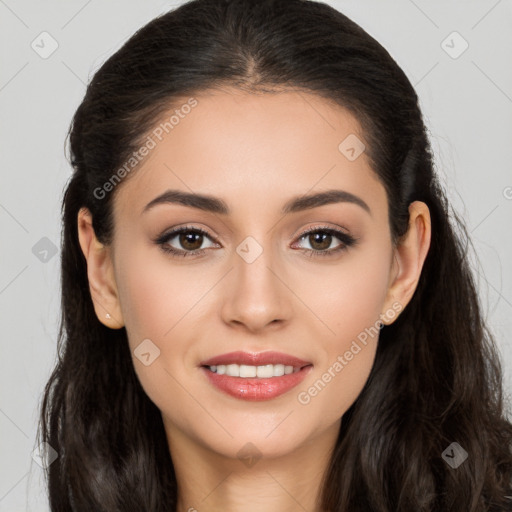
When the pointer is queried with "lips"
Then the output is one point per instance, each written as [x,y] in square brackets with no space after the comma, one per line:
[252,359]
[255,388]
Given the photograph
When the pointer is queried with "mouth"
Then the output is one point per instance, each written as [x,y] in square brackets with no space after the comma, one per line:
[245,371]
[255,377]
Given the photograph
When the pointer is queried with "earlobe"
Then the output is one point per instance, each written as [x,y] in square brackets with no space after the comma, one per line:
[408,259]
[100,273]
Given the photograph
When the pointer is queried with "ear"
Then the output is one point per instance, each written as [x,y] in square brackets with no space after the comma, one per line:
[408,259]
[100,273]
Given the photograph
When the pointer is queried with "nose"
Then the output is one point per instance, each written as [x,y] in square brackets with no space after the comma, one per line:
[255,295]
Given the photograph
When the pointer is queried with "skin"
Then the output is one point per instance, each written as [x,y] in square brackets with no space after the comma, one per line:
[255,152]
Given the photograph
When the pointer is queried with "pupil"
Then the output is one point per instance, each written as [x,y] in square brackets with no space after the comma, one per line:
[187,240]
[321,238]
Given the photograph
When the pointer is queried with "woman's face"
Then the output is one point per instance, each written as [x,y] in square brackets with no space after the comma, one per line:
[259,284]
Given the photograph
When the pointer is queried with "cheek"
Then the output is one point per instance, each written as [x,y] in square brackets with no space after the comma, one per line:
[155,294]
[352,294]
[350,304]
[157,301]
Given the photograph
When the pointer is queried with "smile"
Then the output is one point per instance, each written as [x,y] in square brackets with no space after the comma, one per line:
[270,375]
[246,371]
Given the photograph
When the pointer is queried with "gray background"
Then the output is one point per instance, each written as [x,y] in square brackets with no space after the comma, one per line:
[467,104]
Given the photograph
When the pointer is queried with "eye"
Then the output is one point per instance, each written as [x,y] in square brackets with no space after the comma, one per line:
[321,238]
[190,239]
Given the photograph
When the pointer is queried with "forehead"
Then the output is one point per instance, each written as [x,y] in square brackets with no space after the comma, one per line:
[251,149]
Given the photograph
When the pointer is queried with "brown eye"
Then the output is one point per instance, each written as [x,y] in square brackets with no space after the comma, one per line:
[320,241]
[191,240]
[184,241]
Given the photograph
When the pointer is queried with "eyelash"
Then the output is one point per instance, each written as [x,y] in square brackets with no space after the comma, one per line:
[345,239]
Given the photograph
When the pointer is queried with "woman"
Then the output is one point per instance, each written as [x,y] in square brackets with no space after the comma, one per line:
[265,302]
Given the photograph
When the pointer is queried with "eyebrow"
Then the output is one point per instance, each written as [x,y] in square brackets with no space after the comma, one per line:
[296,204]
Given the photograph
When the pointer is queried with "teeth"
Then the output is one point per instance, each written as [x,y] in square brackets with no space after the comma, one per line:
[233,370]
[269,370]
[247,371]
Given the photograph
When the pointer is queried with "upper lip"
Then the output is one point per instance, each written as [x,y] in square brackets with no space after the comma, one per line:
[253,359]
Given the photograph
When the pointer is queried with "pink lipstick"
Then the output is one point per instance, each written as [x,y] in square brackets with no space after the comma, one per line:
[255,376]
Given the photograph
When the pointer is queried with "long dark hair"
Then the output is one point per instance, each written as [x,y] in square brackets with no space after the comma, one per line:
[436,378]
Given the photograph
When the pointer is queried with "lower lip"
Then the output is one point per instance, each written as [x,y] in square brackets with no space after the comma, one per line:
[255,389]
